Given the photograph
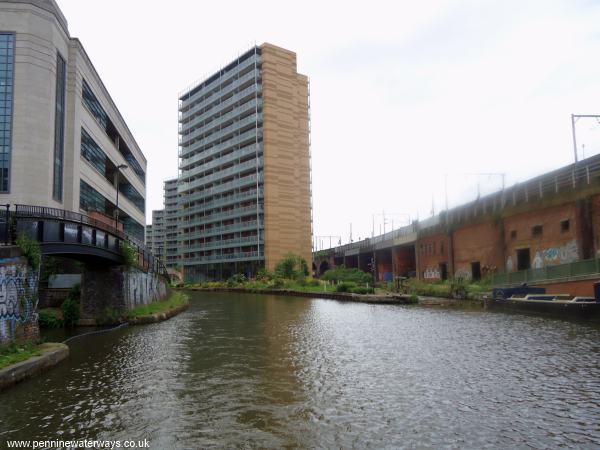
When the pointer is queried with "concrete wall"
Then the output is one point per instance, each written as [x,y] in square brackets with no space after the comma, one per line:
[18,298]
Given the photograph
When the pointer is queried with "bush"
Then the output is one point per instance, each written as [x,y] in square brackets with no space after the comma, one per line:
[347,275]
[48,318]
[70,307]
[276,283]
[236,279]
[262,275]
[413,299]
[345,287]
[30,249]
[130,254]
[314,282]
[291,267]
[70,312]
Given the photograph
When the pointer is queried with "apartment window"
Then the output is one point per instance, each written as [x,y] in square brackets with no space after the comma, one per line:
[59,128]
[441,248]
[7,55]
[565,226]
[513,234]
[537,230]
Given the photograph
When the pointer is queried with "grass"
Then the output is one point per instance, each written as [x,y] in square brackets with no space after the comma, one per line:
[176,300]
[15,353]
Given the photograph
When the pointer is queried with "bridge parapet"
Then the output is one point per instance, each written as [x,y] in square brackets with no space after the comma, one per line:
[69,233]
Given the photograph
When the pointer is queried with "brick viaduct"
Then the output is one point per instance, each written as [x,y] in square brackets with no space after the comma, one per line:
[550,220]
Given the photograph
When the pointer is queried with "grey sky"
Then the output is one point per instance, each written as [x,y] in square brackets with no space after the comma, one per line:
[401,92]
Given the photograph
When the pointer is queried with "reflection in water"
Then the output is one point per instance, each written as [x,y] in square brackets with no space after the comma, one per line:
[266,371]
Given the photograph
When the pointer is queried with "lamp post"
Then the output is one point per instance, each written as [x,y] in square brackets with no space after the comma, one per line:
[119,167]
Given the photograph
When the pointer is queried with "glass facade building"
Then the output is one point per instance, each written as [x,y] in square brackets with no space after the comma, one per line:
[7,57]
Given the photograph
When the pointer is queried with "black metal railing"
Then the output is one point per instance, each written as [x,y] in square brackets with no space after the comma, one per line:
[9,222]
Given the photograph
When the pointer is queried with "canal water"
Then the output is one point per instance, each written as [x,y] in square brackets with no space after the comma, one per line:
[250,371]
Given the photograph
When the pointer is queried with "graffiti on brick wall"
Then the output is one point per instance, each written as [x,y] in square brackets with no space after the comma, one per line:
[568,253]
[432,273]
[509,264]
[18,296]
[463,273]
[143,288]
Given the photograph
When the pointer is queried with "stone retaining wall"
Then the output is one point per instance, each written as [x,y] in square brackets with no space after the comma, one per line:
[18,298]
[111,291]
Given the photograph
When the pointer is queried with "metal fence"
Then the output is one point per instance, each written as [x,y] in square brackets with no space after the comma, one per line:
[558,272]
[8,226]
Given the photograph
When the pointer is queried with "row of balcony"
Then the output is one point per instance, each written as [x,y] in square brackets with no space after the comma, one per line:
[225,229]
[204,130]
[242,138]
[250,136]
[208,179]
[250,93]
[217,98]
[223,243]
[236,212]
[223,201]
[220,161]
[224,187]
[229,130]
[229,257]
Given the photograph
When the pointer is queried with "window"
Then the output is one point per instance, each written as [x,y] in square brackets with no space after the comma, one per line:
[513,234]
[93,153]
[92,103]
[442,248]
[92,200]
[59,128]
[134,196]
[565,225]
[96,109]
[7,55]
[537,230]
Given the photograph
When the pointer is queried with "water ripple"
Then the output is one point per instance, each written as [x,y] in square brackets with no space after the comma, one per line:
[267,372]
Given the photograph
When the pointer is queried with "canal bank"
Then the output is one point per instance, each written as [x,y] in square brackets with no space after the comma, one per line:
[50,354]
[387,299]
[47,355]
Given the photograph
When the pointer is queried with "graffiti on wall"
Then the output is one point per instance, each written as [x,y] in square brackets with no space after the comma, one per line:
[568,253]
[18,296]
[509,264]
[432,273]
[142,288]
[463,273]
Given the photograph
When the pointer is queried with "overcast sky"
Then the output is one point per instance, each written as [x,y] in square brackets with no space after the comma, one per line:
[402,92]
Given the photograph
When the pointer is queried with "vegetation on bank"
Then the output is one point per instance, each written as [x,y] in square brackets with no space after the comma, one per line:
[176,300]
[30,249]
[65,316]
[15,353]
[292,274]
[448,288]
